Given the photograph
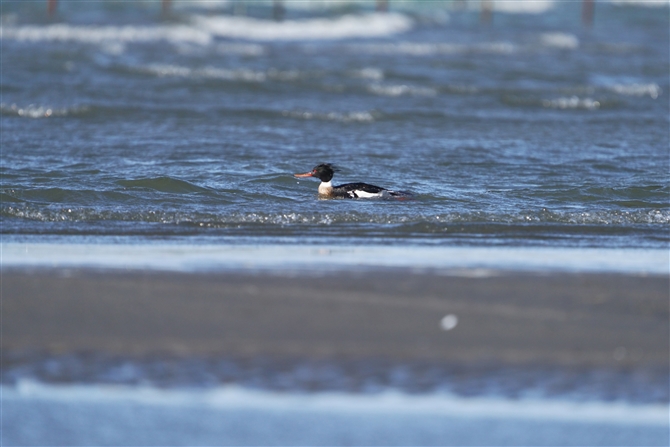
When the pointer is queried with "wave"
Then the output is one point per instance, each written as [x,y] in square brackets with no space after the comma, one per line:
[343,27]
[373,74]
[425,222]
[203,30]
[523,7]
[106,34]
[344,117]
[41,111]
[433,49]
[637,89]
[401,90]
[641,3]
[240,75]
[560,40]
[572,102]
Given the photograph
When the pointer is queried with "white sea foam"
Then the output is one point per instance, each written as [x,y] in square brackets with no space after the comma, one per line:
[560,40]
[374,74]
[244,75]
[40,111]
[572,102]
[202,4]
[106,34]
[433,49]
[447,260]
[645,3]
[401,90]
[234,397]
[203,29]
[652,89]
[346,117]
[523,7]
[343,27]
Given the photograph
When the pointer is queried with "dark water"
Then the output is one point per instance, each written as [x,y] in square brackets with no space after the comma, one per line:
[532,130]
[370,376]
[92,399]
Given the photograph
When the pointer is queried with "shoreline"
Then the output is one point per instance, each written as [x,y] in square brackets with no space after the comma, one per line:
[563,320]
[322,258]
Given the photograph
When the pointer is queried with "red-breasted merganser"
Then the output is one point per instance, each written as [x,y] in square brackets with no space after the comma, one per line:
[325,172]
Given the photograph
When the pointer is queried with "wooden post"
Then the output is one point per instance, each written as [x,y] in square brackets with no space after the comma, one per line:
[51,7]
[486,13]
[166,6]
[382,5]
[588,7]
[240,8]
[278,10]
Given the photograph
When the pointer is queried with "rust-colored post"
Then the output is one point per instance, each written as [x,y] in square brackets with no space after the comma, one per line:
[166,6]
[588,7]
[382,5]
[278,10]
[51,7]
[486,13]
[240,8]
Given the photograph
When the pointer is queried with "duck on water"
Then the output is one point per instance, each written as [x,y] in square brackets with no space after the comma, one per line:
[325,172]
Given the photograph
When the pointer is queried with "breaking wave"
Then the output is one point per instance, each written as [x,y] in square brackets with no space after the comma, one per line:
[106,34]
[202,30]
[41,111]
[430,222]
[343,27]
[241,75]
[345,117]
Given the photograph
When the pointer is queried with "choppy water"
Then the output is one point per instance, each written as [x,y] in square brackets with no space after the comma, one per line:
[533,130]
[96,399]
[100,399]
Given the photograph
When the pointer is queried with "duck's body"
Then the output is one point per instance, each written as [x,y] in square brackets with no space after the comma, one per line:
[325,172]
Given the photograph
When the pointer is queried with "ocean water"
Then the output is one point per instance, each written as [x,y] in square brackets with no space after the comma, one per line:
[93,399]
[136,138]
[36,414]
[123,123]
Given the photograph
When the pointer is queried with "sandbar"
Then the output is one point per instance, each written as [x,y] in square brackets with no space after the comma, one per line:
[554,319]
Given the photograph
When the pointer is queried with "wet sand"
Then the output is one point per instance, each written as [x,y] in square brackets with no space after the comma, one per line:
[559,319]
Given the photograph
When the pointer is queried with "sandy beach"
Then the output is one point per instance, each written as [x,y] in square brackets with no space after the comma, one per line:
[559,319]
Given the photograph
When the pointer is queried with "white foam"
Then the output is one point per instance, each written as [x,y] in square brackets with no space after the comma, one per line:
[40,111]
[572,102]
[374,74]
[238,398]
[343,27]
[203,29]
[245,75]
[434,49]
[523,6]
[106,34]
[446,260]
[345,117]
[645,3]
[401,90]
[636,89]
[202,4]
[560,40]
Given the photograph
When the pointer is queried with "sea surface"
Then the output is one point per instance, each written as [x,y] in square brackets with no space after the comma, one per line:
[133,137]
[120,121]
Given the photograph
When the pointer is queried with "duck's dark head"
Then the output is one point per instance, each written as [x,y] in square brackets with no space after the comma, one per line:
[323,172]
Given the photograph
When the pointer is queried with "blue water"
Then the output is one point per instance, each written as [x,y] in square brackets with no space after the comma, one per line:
[136,138]
[37,414]
[120,121]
